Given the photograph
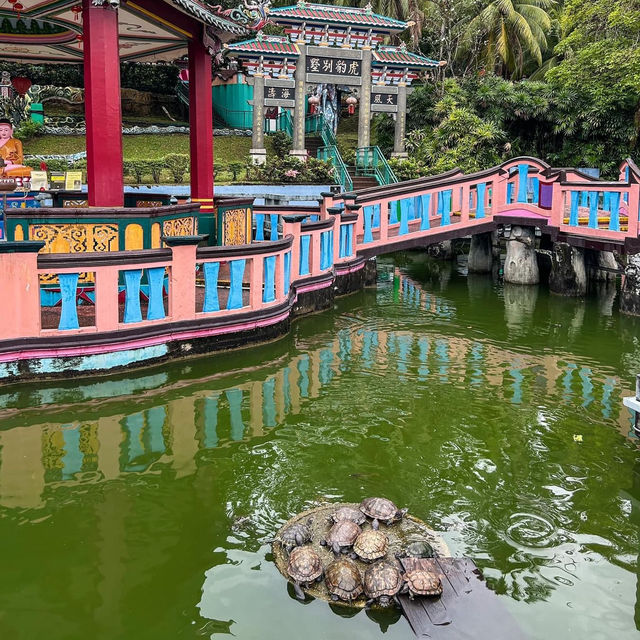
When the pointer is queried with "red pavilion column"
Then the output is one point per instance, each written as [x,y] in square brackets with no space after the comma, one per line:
[103,112]
[201,126]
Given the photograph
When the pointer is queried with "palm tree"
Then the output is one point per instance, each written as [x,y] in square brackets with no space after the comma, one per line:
[406,10]
[510,33]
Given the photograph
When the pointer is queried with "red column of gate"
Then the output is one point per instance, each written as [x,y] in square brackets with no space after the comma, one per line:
[201,124]
[103,112]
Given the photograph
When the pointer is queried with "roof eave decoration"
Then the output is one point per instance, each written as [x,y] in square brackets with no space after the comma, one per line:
[350,16]
[265,45]
[401,57]
[250,16]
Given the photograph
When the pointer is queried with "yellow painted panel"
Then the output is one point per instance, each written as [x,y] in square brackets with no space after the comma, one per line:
[133,237]
[156,234]
[18,233]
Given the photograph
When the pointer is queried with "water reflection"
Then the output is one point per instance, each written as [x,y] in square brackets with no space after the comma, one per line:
[174,432]
[170,483]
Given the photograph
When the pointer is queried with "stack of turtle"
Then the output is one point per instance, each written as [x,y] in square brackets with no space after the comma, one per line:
[362,566]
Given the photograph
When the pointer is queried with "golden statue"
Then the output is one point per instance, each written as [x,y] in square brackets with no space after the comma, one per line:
[11,154]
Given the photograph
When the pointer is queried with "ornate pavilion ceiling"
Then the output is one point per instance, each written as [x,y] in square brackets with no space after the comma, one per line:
[51,30]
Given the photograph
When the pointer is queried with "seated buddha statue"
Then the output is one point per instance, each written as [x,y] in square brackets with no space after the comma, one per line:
[11,155]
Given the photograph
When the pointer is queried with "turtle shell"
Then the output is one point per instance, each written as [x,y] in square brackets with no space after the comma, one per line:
[371,545]
[420,549]
[296,535]
[304,565]
[423,583]
[343,533]
[382,579]
[379,508]
[343,579]
[348,513]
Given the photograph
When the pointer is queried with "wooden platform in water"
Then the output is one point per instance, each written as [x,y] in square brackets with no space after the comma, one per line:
[467,609]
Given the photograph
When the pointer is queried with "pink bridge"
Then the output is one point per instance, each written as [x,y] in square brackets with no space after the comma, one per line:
[106,311]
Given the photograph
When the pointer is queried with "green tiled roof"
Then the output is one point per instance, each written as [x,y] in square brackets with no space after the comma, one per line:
[329,14]
[273,45]
[399,56]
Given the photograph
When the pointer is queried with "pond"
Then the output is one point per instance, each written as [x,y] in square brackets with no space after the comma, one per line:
[140,506]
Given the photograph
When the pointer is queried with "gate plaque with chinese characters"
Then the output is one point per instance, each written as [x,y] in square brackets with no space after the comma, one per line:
[345,67]
[279,93]
[384,99]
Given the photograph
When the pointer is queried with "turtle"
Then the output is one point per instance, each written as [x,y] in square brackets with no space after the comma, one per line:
[305,567]
[371,545]
[348,513]
[295,536]
[342,536]
[417,549]
[382,582]
[343,580]
[421,582]
[381,509]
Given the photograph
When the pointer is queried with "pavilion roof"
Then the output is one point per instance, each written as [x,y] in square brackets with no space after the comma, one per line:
[51,30]
[400,57]
[270,45]
[330,14]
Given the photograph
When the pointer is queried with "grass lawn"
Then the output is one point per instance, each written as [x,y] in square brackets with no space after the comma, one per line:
[144,147]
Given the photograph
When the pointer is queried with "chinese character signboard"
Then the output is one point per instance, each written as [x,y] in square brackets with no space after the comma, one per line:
[279,93]
[384,99]
[344,67]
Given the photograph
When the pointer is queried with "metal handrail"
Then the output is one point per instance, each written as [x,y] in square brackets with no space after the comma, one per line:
[370,161]
[331,154]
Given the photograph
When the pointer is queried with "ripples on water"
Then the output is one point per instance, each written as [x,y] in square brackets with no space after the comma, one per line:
[142,506]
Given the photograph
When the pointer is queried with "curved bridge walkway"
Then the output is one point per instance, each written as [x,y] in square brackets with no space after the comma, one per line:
[147,306]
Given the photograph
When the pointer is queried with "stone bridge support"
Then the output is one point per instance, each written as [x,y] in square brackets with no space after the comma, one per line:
[630,296]
[481,253]
[521,264]
[568,275]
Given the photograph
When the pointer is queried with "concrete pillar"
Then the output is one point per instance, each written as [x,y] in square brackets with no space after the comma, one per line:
[630,295]
[568,275]
[103,111]
[258,152]
[364,115]
[602,266]
[481,253]
[299,148]
[201,126]
[521,264]
[399,150]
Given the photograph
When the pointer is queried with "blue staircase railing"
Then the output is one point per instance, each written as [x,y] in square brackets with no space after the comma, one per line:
[370,161]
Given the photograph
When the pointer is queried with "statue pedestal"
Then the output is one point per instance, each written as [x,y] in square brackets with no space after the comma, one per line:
[258,156]
[301,154]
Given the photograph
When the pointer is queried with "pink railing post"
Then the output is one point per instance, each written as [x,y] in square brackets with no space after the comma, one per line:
[634,204]
[464,205]
[182,287]
[20,288]
[107,311]
[256,275]
[384,221]
[557,205]
[328,201]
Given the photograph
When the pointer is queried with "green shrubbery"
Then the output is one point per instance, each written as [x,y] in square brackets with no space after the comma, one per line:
[290,170]
[158,78]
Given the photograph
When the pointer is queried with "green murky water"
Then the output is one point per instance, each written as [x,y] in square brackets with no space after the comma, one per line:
[139,507]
